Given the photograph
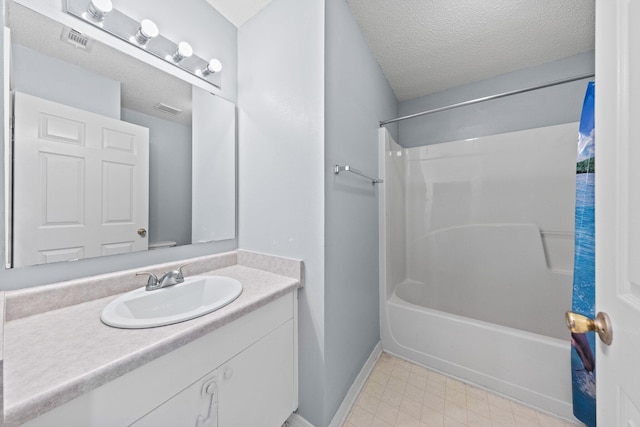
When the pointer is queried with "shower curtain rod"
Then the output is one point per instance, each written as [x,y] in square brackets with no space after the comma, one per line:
[487,98]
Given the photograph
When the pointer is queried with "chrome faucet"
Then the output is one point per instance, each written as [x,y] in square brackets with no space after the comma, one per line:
[169,278]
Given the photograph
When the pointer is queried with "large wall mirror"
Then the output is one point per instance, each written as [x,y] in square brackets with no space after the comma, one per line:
[110,155]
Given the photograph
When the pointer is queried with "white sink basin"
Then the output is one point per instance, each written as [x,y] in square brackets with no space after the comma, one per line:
[196,296]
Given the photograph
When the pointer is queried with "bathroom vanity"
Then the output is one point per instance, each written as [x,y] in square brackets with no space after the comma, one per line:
[236,366]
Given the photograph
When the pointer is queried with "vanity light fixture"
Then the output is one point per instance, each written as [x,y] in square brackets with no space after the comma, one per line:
[183,51]
[146,36]
[214,66]
[98,9]
[147,30]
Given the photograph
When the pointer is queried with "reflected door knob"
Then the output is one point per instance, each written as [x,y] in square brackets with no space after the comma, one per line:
[142,232]
[579,324]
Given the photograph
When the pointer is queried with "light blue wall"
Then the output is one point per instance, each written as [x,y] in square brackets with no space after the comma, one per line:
[169,177]
[64,83]
[545,107]
[317,101]
[357,97]
[281,163]
[205,29]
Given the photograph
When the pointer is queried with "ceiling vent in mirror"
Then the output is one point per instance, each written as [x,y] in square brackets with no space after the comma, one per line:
[76,38]
[165,108]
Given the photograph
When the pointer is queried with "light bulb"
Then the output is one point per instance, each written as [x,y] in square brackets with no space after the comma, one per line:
[184,51]
[148,30]
[214,66]
[99,8]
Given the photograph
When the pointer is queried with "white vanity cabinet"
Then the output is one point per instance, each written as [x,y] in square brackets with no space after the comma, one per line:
[241,374]
[254,388]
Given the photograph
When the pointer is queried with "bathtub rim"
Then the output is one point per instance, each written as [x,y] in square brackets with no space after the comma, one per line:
[395,298]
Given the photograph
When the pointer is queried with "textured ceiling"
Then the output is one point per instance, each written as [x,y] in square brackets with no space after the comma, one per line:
[425,46]
[238,11]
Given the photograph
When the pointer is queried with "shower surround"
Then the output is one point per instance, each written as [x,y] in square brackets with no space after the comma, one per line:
[476,259]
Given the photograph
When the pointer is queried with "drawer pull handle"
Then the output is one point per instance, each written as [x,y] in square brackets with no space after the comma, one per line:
[210,400]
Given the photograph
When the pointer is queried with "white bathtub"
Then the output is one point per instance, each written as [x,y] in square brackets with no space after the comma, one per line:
[529,367]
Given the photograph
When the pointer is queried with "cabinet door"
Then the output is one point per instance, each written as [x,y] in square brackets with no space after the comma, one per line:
[257,386]
[194,406]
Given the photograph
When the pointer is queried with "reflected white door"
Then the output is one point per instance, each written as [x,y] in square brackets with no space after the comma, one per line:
[81,183]
[618,208]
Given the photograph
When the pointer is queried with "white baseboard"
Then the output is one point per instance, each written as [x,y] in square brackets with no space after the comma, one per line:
[348,401]
[296,420]
[340,416]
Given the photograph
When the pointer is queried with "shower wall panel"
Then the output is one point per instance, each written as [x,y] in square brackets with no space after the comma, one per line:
[489,226]
[392,209]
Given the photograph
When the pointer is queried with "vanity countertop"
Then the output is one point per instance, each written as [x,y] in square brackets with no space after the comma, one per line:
[53,357]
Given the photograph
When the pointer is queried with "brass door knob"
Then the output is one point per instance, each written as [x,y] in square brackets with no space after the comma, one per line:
[142,232]
[577,323]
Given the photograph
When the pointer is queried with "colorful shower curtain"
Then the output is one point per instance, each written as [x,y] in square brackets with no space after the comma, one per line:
[583,345]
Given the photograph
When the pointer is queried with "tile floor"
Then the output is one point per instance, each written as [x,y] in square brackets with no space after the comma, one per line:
[401,394]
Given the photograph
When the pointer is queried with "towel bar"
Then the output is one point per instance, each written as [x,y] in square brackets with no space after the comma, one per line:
[337,169]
